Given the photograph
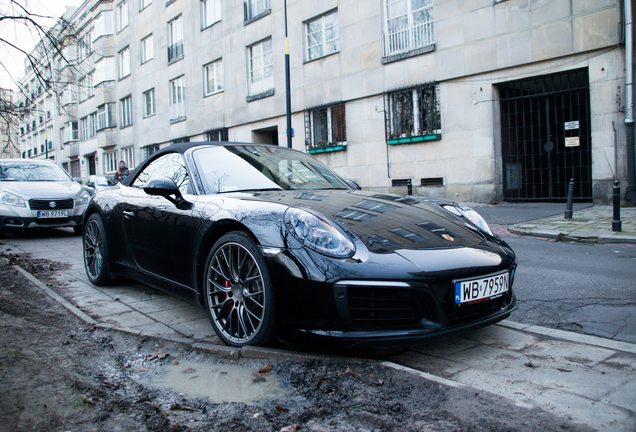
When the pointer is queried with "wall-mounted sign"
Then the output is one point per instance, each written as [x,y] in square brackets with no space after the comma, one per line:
[571,125]
[572,142]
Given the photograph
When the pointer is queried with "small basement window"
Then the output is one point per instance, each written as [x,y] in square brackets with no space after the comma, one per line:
[432,181]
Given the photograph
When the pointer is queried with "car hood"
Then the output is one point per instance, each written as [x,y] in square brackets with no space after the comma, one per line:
[385,223]
[42,189]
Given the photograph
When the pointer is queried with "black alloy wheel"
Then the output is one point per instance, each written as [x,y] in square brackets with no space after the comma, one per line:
[238,292]
[96,251]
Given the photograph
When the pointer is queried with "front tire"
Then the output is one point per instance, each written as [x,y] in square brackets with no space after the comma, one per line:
[238,292]
[96,251]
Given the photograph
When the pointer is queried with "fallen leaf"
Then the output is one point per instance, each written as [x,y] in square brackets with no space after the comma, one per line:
[157,355]
[189,370]
[291,428]
[265,369]
[259,379]
[88,400]
[193,377]
[177,407]
[280,408]
[175,362]
[223,373]
[349,372]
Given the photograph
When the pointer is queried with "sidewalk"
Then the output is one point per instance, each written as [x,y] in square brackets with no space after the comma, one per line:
[588,225]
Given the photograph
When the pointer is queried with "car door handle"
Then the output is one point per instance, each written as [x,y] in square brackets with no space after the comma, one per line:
[128,214]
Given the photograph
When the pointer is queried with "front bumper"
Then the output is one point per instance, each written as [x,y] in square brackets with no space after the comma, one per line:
[25,218]
[386,301]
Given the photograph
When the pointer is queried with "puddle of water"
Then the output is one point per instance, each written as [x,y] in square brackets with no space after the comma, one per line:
[218,382]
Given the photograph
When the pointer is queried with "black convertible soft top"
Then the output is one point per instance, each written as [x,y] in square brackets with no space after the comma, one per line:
[182,148]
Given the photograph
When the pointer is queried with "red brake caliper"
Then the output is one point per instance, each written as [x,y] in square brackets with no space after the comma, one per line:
[227,285]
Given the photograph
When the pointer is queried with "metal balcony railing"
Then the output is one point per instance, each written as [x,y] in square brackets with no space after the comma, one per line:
[405,39]
[175,51]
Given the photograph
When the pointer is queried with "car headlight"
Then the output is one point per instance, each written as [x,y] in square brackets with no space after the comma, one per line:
[12,200]
[83,198]
[470,214]
[318,233]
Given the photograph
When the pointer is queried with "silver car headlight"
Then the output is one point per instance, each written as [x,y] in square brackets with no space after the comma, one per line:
[83,198]
[470,214]
[318,233]
[12,200]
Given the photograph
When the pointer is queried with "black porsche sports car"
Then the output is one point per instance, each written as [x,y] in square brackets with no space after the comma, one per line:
[276,245]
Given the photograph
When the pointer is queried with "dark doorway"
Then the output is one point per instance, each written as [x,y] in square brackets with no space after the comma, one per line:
[91,164]
[546,140]
[266,135]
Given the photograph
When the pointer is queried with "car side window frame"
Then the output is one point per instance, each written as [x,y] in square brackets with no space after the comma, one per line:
[162,166]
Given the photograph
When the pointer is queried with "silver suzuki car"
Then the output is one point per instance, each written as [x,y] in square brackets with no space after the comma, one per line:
[39,194]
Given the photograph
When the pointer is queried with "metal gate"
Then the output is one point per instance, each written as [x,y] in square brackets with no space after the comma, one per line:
[546,140]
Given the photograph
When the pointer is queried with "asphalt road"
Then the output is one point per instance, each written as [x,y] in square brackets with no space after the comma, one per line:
[576,287]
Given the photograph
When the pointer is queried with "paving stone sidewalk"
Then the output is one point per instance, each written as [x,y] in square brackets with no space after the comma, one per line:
[590,225]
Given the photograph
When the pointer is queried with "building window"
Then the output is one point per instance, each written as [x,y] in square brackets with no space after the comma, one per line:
[255,8]
[150,150]
[261,67]
[217,135]
[143,4]
[211,12]
[84,128]
[110,162]
[86,88]
[147,51]
[103,24]
[92,124]
[213,77]
[326,127]
[75,169]
[71,132]
[127,156]
[126,111]
[149,103]
[124,63]
[122,15]
[105,116]
[177,99]
[175,39]
[105,70]
[323,36]
[412,113]
[408,25]
[69,95]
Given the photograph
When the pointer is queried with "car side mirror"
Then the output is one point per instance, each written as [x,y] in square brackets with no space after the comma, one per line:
[167,188]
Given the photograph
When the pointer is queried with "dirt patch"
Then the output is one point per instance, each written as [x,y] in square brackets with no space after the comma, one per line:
[58,374]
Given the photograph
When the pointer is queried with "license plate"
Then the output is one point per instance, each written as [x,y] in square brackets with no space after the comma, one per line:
[52,214]
[481,289]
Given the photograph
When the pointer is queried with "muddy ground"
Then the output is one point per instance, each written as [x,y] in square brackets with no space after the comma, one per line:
[59,374]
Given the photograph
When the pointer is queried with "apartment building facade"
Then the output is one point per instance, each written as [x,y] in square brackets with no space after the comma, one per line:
[473,100]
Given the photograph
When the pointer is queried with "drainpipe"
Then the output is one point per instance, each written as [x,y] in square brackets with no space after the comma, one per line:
[630,195]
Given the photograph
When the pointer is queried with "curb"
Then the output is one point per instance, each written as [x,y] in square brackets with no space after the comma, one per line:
[560,236]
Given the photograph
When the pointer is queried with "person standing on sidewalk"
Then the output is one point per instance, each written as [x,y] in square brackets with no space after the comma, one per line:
[122,172]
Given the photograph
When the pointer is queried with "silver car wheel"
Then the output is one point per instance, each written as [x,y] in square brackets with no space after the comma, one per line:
[236,293]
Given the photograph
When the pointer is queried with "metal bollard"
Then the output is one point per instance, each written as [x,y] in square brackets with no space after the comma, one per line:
[616,223]
[568,207]
[409,187]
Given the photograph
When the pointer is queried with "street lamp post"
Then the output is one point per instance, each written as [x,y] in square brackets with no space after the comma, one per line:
[287,85]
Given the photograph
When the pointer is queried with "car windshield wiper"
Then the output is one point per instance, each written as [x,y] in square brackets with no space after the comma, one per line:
[253,190]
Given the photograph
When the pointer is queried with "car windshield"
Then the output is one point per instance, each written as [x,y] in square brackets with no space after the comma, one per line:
[18,171]
[248,168]
[104,181]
